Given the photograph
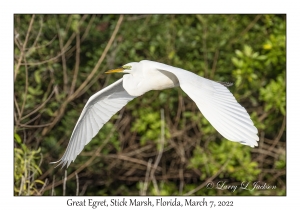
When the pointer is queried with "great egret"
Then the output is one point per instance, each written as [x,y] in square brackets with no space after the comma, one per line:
[213,99]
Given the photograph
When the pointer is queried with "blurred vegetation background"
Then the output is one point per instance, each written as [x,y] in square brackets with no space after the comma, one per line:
[59,62]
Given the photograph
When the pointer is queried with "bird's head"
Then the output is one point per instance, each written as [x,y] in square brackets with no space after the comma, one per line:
[127,68]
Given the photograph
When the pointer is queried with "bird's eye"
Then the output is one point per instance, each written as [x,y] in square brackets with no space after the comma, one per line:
[126,67]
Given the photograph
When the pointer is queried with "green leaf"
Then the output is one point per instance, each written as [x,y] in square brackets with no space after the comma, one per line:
[17,138]
[247,50]
[236,62]
[239,53]
[37,77]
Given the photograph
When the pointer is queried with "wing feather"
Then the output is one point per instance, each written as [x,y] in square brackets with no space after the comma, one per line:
[218,105]
[97,111]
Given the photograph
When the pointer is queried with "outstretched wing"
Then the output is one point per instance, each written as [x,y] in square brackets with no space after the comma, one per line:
[218,105]
[97,111]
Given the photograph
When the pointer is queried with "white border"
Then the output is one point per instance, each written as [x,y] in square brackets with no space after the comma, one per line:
[8,8]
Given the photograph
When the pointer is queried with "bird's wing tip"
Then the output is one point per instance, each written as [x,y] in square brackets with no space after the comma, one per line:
[254,144]
[62,163]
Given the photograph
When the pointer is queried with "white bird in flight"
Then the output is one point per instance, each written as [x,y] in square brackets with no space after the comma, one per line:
[214,100]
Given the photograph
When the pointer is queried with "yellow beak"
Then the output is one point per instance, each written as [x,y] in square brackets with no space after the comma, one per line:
[121,69]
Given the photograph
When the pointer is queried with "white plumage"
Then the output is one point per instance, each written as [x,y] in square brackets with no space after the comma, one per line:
[213,99]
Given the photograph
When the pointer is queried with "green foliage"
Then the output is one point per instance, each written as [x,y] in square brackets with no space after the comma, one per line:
[237,164]
[26,169]
[148,125]
[248,64]
[274,95]
[281,163]
[61,53]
